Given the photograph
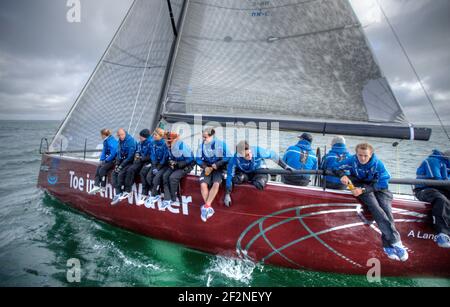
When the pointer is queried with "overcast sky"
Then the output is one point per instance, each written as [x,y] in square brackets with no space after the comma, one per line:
[45,61]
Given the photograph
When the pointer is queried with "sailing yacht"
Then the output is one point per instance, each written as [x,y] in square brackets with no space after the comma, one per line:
[303,64]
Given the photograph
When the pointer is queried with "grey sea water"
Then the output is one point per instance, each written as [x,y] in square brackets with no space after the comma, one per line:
[38,234]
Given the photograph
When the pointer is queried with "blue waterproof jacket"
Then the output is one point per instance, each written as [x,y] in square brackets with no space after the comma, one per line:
[109,151]
[240,163]
[181,154]
[337,154]
[435,167]
[127,149]
[144,149]
[301,157]
[374,173]
[214,153]
[159,153]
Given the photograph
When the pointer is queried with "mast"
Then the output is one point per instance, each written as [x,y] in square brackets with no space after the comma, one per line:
[172,19]
[173,52]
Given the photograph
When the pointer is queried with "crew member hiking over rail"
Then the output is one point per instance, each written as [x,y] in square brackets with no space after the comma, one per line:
[152,176]
[141,157]
[181,162]
[212,157]
[107,159]
[369,182]
[124,160]
[242,168]
[338,153]
[300,157]
[437,167]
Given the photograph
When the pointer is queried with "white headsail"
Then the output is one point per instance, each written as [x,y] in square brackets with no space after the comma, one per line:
[125,89]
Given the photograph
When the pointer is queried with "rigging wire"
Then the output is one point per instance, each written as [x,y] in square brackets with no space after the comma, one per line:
[144,110]
[419,79]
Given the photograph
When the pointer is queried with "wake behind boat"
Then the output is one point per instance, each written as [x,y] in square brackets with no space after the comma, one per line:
[302,66]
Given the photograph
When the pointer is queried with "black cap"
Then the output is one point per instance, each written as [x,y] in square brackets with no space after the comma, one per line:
[307,137]
[145,133]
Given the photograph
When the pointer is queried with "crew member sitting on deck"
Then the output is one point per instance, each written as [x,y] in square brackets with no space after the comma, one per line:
[181,162]
[337,154]
[300,157]
[437,167]
[212,157]
[242,167]
[141,157]
[124,160]
[369,182]
[107,158]
[159,158]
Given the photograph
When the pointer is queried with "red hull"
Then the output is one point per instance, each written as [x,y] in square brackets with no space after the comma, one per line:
[284,226]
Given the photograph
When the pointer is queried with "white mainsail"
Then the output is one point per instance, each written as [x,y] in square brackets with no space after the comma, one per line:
[303,63]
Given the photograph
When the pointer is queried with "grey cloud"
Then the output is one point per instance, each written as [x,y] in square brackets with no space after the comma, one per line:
[44,60]
[40,28]
[423,28]
[39,87]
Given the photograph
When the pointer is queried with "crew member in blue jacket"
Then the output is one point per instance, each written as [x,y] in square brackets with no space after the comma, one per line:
[159,159]
[107,161]
[212,156]
[300,157]
[181,162]
[369,182]
[437,167]
[141,157]
[242,167]
[124,160]
[338,153]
